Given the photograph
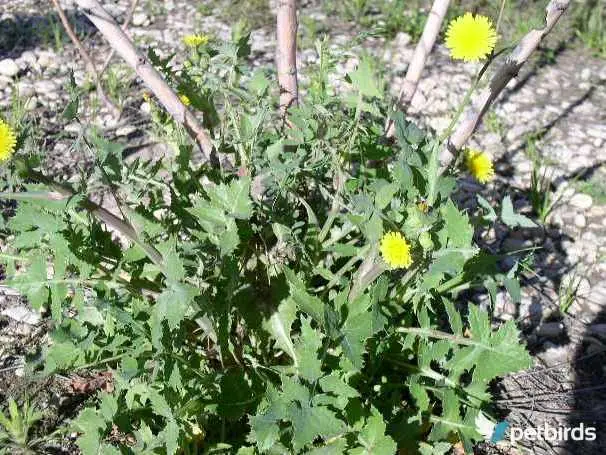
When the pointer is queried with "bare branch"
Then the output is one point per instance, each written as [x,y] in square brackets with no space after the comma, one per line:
[286,58]
[129,17]
[87,59]
[61,191]
[415,69]
[480,104]
[123,45]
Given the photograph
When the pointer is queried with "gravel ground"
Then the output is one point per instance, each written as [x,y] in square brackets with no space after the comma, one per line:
[560,102]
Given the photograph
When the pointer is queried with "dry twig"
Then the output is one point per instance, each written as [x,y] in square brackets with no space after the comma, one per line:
[124,47]
[415,69]
[286,58]
[129,17]
[480,104]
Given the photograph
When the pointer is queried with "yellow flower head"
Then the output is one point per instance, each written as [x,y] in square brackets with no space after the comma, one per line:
[185,100]
[479,165]
[470,38]
[195,40]
[395,250]
[8,141]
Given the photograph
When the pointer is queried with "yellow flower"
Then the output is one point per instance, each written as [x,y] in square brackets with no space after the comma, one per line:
[479,165]
[395,250]
[470,38]
[185,100]
[195,40]
[8,141]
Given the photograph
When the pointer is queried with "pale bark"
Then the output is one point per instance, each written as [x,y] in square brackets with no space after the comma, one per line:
[422,51]
[286,55]
[129,17]
[125,48]
[481,102]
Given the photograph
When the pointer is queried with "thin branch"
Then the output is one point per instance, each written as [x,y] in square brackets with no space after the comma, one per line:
[63,191]
[129,17]
[286,58]
[482,102]
[87,59]
[125,48]
[415,69]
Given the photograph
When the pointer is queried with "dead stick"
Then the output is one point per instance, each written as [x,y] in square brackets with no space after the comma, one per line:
[129,17]
[419,59]
[87,59]
[286,58]
[480,104]
[125,48]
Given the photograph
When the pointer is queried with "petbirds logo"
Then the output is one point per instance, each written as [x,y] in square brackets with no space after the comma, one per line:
[496,432]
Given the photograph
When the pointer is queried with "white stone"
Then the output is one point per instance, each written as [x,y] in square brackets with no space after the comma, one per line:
[125,130]
[22,314]
[580,221]
[581,201]
[8,67]
[140,19]
[29,58]
[46,59]
[44,87]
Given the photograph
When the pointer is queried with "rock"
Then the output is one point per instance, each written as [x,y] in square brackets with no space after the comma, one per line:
[31,103]
[598,330]
[550,329]
[125,131]
[25,89]
[22,314]
[140,19]
[554,354]
[74,127]
[4,82]
[47,59]
[28,58]
[8,67]
[581,201]
[44,87]
[580,221]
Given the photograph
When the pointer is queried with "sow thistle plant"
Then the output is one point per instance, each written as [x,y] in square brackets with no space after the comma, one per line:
[308,295]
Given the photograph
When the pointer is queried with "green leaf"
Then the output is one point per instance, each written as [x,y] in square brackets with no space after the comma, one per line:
[234,199]
[385,195]
[312,305]
[171,436]
[364,79]
[490,216]
[492,354]
[171,306]
[373,438]
[90,424]
[457,228]
[512,219]
[279,325]
[356,329]
[175,271]
[306,349]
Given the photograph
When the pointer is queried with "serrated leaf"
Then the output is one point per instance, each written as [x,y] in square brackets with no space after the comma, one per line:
[90,424]
[493,353]
[364,79]
[373,438]
[279,325]
[458,230]
[512,219]
[312,305]
[306,349]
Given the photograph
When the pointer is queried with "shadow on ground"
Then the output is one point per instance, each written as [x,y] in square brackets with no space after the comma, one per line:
[23,32]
